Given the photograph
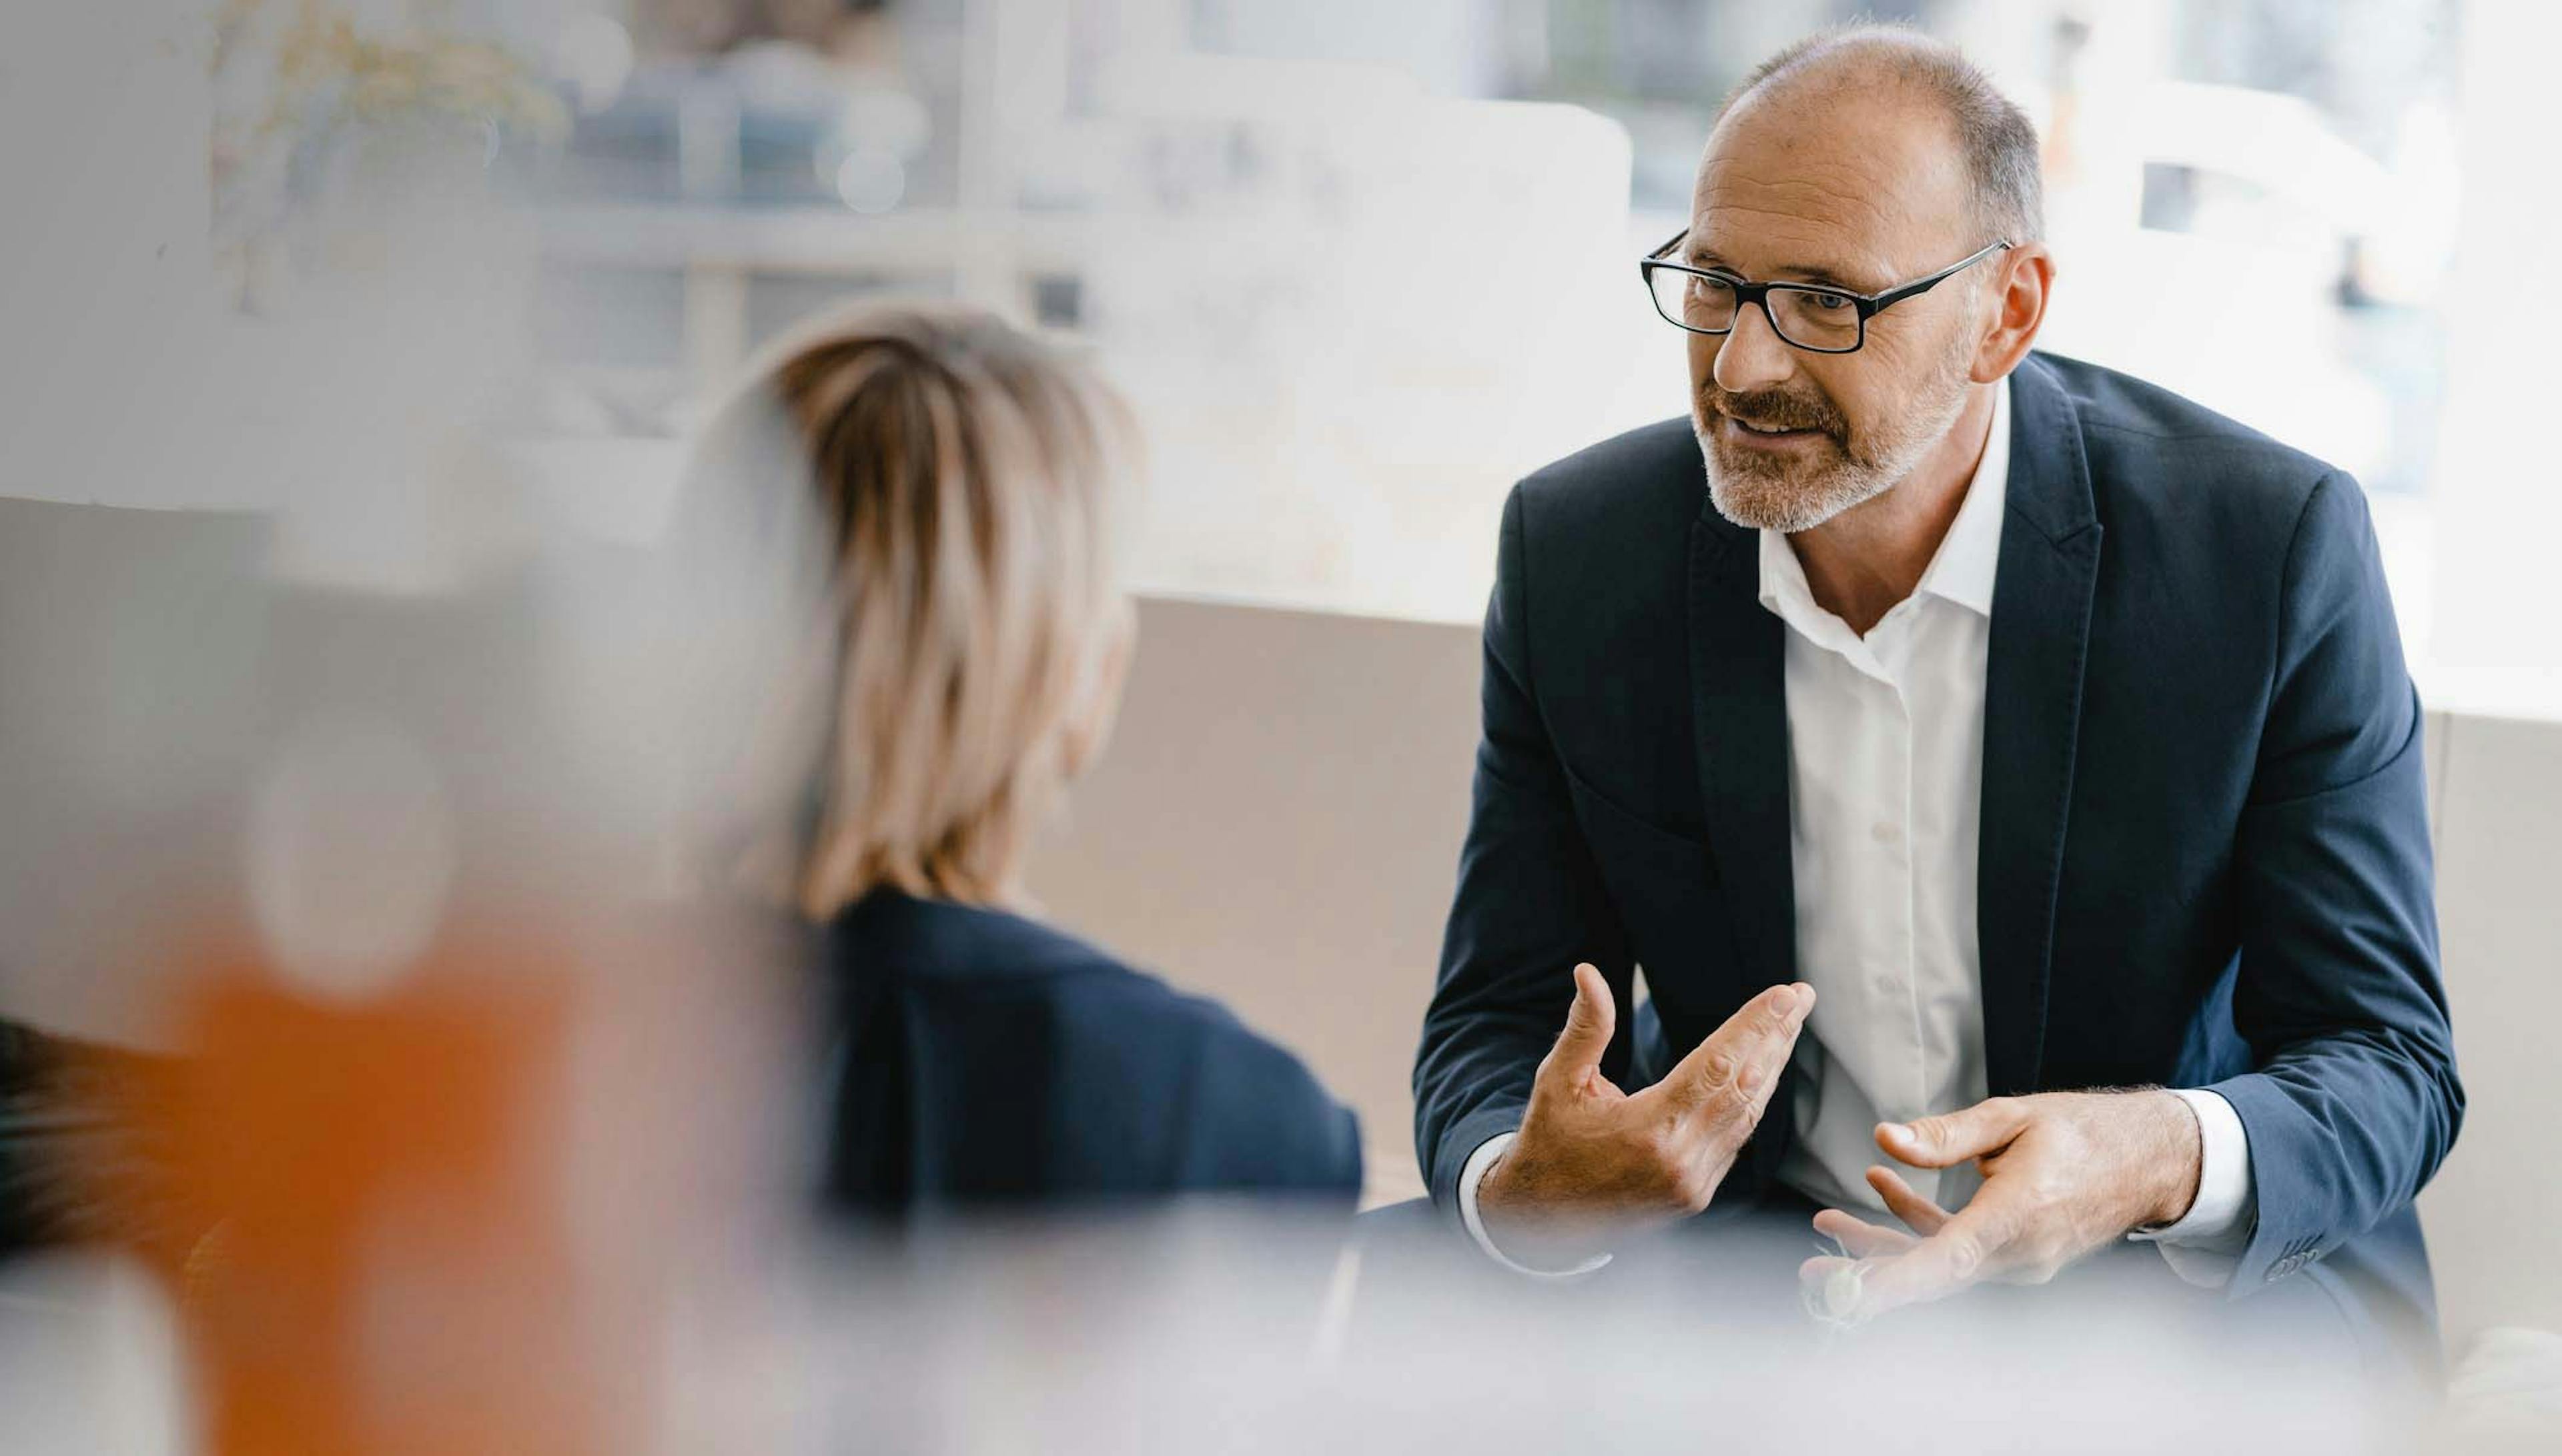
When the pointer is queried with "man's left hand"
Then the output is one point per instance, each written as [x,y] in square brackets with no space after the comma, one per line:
[2064,1174]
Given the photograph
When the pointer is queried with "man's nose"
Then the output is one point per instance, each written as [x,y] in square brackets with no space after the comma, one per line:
[1753,356]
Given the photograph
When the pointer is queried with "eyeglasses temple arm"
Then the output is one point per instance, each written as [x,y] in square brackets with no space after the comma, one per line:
[1923,286]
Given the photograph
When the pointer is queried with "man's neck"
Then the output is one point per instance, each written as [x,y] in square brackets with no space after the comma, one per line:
[1862,562]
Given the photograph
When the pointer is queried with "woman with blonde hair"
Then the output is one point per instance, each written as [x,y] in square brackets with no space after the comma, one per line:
[941,657]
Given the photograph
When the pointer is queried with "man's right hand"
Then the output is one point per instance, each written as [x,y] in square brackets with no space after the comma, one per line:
[1593,1163]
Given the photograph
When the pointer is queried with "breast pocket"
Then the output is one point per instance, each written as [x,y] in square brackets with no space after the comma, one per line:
[1663,886]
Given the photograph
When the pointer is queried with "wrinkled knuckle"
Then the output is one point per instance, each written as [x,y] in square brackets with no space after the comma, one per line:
[1740,1110]
[1719,1069]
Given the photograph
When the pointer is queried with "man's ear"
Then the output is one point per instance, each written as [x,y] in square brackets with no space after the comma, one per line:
[2026,273]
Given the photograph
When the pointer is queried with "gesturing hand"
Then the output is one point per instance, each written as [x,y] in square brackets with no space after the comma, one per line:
[2064,1172]
[1592,1161]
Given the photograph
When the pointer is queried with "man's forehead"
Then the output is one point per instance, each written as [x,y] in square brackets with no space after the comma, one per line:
[1867,188]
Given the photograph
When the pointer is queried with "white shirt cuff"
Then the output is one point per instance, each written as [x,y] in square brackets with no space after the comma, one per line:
[2205,1243]
[1473,1172]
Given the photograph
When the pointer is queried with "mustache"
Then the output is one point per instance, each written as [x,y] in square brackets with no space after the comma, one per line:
[1771,409]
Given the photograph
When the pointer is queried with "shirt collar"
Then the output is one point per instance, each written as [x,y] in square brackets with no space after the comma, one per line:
[1962,568]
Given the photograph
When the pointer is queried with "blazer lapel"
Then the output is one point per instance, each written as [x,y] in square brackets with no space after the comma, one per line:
[2041,635]
[1740,709]
[1738,704]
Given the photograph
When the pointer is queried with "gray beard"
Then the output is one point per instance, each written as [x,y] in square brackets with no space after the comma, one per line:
[1763,495]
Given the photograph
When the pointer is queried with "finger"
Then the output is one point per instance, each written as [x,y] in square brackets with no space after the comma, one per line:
[1860,1238]
[1965,1251]
[1589,1022]
[1917,1213]
[1955,1137]
[1741,1061]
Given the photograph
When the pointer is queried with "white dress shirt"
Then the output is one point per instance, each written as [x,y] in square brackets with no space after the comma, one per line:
[1886,736]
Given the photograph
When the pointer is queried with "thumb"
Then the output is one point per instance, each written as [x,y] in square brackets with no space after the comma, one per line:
[1954,1136]
[1588,1024]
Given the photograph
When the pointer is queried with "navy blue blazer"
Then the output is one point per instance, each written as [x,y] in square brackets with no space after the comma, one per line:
[983,1059]
[2205,851]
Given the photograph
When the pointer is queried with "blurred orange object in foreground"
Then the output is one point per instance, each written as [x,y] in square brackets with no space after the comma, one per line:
[390,1271]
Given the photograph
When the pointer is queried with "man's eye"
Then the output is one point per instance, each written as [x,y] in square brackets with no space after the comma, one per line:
[1829,302]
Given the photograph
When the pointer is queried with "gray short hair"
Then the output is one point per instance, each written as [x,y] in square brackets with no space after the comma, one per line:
[2000,142]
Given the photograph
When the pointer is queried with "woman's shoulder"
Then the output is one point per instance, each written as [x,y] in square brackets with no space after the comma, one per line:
[943,949]
[891,934]
[1069,1014]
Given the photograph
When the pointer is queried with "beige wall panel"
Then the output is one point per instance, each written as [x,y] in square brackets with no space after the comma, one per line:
[2490,1213]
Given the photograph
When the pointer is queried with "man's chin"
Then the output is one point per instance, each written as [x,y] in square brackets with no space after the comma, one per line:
[1759,495]
[1760,503]
[1757,514]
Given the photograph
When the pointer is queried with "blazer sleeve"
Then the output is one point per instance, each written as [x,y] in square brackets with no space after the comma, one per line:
[2353,1100]
[1529,905]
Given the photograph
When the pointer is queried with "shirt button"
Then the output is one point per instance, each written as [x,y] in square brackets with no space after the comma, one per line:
[1886,831]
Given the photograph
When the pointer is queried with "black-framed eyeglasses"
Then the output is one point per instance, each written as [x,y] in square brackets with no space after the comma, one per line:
[1809,316]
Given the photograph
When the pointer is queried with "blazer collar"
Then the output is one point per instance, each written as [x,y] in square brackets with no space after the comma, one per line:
[2050,473]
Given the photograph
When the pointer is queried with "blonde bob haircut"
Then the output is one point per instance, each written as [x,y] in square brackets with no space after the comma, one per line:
[959,636]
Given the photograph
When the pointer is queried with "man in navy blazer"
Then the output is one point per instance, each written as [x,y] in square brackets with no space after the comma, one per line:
[1941,726]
